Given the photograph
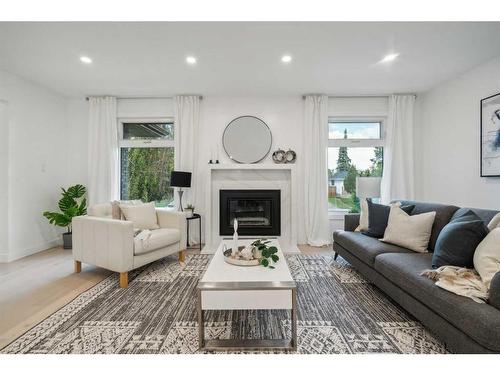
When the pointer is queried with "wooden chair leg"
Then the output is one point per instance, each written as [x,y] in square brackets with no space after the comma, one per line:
[78,266]
[182,255]
[123,279]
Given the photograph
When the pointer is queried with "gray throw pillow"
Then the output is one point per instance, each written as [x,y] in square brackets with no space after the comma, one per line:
[457,242]
[378,217]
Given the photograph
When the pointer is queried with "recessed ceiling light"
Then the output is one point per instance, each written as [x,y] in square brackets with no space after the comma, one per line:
[286,59]
[85,59]
[390,57]
[191,60]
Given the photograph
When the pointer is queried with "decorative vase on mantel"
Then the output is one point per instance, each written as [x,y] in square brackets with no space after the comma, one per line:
[235,237]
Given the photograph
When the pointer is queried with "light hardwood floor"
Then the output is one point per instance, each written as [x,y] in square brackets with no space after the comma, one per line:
[34,287]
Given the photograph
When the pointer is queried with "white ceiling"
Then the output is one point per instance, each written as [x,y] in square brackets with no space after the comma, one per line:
[243,58]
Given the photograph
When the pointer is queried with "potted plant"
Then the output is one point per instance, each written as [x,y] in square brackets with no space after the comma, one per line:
[266,254]
[189,210]
[71,204]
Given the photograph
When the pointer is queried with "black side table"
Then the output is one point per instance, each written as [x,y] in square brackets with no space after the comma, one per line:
[194,217]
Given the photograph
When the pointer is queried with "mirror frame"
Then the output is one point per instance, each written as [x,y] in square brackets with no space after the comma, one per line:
[243,162]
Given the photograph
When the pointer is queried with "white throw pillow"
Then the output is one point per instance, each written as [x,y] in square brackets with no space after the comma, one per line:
[142,215]
[115,207]
[495,222]
[363,216]
[487,256]
[411,232]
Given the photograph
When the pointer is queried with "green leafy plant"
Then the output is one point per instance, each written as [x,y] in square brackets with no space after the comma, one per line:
[71,204]
[190,207]
[269,253]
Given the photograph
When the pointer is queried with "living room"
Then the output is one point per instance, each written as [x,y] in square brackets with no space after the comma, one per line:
[292,187]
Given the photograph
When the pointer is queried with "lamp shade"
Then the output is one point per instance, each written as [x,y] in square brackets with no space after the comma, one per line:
[180,179]
[368,187]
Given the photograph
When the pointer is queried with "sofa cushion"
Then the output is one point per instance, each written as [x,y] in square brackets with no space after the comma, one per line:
[378,218]
[495,222]
[409,231]
[142,215]
[458,241]
[443,216]
[100,210]
[159,238]
[485,215]
[495,291]
[363,247]
[117,212]
[487,256]
[481,322]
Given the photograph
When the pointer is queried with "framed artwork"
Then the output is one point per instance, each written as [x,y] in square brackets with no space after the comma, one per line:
[490,136]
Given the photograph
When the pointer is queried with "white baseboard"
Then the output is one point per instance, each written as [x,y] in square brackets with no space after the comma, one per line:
[208,250]
[293,249]
[6,258]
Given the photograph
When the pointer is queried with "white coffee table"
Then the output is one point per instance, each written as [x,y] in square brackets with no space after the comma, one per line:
[229,287]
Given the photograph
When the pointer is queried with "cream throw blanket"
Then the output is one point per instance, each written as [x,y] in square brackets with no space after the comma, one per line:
[462,281]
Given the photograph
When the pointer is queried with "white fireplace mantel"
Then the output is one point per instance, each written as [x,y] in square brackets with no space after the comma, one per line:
[252,166]
[252,176]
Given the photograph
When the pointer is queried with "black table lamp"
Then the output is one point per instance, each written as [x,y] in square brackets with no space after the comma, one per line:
[180,180]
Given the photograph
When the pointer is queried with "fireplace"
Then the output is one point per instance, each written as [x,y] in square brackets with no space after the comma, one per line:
[257,211]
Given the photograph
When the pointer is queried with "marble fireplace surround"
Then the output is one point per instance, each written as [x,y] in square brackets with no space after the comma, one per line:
[252,176]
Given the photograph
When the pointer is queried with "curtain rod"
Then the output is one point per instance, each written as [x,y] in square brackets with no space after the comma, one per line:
[136,97]
[359,96]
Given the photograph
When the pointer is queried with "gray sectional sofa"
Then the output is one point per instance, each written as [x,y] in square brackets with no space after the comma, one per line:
[462,324]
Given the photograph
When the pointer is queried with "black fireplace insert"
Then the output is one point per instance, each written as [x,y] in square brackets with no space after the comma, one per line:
[257,211]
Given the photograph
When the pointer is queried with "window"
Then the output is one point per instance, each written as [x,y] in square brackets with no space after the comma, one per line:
[354,130]
[355,148]
[147,151]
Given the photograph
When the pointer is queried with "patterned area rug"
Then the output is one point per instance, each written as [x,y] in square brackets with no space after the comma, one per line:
[339,312]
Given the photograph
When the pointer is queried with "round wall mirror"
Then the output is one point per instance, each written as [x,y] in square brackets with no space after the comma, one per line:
[247,139]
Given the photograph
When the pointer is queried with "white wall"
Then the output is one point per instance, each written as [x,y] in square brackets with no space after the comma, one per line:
[370,107]
[4,180]
[77,163]
[36,166]
[137,108]
[447,141]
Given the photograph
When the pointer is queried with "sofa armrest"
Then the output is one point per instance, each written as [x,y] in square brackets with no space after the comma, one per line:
[104,242]
[495,291]
[173,219]
[351,222]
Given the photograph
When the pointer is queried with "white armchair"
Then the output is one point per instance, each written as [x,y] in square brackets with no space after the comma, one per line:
[109,243]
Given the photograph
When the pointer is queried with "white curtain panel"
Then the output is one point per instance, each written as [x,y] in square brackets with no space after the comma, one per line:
[315,170]
[187,119]
[103,151]
[398,176]
[4,181]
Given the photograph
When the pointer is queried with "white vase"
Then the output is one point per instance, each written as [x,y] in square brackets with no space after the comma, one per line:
[257,254]
[235,238]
